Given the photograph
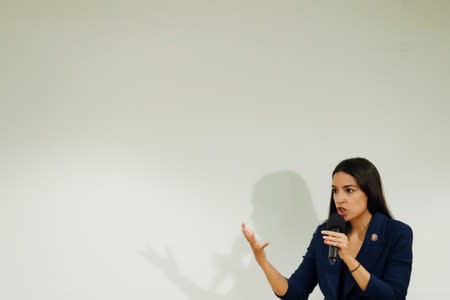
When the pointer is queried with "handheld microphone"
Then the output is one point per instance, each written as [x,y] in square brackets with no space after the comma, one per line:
[336,223]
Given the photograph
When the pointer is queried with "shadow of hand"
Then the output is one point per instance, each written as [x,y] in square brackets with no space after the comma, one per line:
[166,264]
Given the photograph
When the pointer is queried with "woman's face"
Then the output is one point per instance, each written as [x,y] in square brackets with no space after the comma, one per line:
[350,200]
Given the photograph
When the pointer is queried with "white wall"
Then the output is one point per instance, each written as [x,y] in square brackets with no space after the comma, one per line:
[135,137]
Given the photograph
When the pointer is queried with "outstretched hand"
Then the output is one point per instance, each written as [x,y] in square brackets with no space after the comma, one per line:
[257,247]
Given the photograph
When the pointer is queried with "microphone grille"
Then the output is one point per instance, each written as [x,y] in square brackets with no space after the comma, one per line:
[335,221]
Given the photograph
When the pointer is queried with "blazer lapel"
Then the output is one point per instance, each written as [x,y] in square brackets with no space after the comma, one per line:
[371,248]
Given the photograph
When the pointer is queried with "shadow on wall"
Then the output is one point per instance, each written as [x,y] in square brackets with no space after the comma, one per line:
[283,215]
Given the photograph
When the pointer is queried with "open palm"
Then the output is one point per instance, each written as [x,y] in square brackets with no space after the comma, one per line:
[257,247]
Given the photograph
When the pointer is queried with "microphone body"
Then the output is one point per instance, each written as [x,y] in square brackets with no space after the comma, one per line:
[336,223]
[333,250]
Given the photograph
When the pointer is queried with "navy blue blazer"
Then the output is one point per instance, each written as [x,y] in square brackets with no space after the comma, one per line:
[386,253]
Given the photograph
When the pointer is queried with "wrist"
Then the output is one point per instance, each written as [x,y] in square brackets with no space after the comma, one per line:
[352,264]
[262,261]
[349,260]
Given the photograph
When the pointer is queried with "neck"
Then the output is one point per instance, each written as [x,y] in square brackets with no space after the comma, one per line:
[361,224]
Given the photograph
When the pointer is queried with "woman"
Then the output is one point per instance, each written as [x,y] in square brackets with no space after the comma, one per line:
[375,251]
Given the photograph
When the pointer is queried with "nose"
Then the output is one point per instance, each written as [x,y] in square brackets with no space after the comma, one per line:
[339,197]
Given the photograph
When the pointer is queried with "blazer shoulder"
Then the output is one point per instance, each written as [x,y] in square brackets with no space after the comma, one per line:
[319,228]
[397,228]
[398,225]
[322,226]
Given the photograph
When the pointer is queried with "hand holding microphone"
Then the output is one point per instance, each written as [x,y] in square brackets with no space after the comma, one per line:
[335,237]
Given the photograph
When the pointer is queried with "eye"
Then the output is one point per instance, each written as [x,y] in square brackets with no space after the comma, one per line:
[333,191]
[349,190]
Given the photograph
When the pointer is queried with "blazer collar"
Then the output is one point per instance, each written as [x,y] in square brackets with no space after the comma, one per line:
[371,248]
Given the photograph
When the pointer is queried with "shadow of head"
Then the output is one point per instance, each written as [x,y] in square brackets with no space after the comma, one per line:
[284,215]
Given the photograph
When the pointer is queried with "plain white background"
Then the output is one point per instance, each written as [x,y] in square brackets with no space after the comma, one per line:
[136,136]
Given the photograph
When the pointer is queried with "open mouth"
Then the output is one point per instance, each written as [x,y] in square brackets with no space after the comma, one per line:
[341,211]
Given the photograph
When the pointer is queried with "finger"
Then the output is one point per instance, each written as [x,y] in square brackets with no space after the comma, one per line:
[329,237]
[329,232]
[244,229]
[337,240]
[332,243]
[334,234]
[249,235]
[332,239]
[264,245]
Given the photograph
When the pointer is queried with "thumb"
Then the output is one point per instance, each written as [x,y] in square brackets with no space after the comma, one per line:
[264,245]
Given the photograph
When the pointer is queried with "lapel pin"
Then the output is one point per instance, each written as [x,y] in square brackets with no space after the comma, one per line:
[374,237]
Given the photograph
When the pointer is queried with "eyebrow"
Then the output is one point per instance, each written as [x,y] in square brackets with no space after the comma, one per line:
[346,186]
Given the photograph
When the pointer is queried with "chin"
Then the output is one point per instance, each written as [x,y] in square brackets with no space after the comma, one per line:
[347,218]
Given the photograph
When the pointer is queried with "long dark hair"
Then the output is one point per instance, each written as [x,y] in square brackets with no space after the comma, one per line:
[368,180]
